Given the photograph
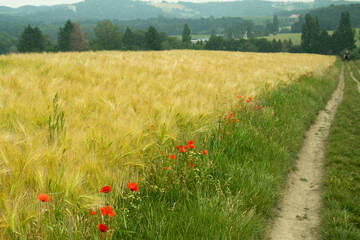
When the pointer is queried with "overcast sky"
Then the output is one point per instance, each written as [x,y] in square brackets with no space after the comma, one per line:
[18,3]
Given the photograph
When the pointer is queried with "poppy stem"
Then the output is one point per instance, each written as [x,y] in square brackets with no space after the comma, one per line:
[40,221]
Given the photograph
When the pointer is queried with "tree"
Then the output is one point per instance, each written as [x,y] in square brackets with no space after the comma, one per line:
[325,41]
[128,42]
[31,40]
[186,37]
[64,36]
[6,43]
[229,33]
[107,36]
[216,43]
[275,25]
[152,39]
[78,41]
[343,37]
[297,27]
[310,36]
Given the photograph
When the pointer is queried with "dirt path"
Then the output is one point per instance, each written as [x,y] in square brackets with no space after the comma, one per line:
[354,78]
[299,210]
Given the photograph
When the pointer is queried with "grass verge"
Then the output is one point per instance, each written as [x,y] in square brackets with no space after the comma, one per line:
[341,214]
[232,191]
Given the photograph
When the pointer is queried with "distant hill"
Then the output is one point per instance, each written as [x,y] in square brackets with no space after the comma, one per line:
[329,16]
[129,10]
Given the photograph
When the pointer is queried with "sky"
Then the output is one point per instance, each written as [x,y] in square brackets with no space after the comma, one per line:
[18,3]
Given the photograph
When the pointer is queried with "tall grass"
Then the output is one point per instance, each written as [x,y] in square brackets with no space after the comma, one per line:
[110,101]
[341,214]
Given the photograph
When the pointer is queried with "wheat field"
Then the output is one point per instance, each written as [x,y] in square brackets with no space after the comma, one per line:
[120,110]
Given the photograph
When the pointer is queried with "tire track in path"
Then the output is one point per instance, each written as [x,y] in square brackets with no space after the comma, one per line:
[299,210]
[354,78]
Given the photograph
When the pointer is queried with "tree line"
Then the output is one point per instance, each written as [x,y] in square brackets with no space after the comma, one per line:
[108,37]
[70,37]
[316,40]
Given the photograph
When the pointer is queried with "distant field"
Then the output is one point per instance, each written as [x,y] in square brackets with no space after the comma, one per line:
[261,19]
[121,110]
[193,36]
[296,37]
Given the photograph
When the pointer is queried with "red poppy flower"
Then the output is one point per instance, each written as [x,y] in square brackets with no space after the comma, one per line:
[44,197]
[165,168]
[192,146]
[133,187]
[178,147]
[92,212]
[107,210]
[185,146]
[204,152]
[172,157]
[183,150]
[238,96]
[106,189]
[190,142]
[249,98]
[153,129]
[247,101]
[152,126]
[191,165]
[103,227]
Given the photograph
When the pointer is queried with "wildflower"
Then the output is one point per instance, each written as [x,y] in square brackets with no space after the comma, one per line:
[172,157]
[183,150]
[178,147]
[103,227]
[191,164]
[44,197]
[133,187]
[191,142]
[107,210]
[247,101]
[106,189]
[249,98]
[185,146]
[92,212]
[231,115]
[238,96]
[298,79]
[204,152]
[165,168]
[152,126]
[192,146]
